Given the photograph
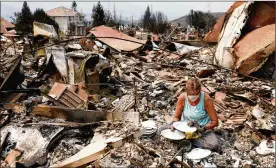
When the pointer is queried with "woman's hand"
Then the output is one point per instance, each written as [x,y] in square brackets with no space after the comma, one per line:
[179,108]
[171,126]
[199,128]
[209,107]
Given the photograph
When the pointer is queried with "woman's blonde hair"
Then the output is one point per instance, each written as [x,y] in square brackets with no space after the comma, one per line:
[193,83]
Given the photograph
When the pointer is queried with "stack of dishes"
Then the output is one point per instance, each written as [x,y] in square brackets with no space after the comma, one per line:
[149,129]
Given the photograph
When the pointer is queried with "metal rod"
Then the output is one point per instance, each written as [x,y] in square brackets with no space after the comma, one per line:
[135,95]
[182,158]
[21,90]
[174,157]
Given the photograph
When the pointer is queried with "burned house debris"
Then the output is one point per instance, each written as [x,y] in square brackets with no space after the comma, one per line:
[96,101]
[7,28]
[257,23]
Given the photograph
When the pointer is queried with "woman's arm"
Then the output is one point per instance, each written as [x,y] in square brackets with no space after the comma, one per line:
[179,107]
[209,107]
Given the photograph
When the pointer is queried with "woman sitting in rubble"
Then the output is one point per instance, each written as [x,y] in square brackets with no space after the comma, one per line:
[197,108]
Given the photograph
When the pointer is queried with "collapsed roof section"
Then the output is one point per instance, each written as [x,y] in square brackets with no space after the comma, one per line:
[213,35]
[245,36]
[115,41]
[262,14]
[254,48]
[7,28]
[230,34]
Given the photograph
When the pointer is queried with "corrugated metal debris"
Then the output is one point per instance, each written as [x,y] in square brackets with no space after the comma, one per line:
[57,53]
[230,34]
[45,30]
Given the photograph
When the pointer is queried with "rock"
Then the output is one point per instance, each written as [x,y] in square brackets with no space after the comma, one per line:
[139,158]
[221,160]
[124,66]
[273,101]
[161,104]
[154,164]
[95,98]
[113,154]
[157,92]
[150,162]
[242,146]
[222,117]
[156,160]
[153,113]
[257,112]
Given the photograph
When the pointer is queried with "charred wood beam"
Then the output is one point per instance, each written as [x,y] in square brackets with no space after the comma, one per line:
[65,124]
[29,90]
[3,143]
[70,114]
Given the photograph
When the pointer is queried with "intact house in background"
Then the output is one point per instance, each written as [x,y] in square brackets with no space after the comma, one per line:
[70,22]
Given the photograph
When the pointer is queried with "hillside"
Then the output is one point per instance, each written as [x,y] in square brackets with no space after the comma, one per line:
[182,20]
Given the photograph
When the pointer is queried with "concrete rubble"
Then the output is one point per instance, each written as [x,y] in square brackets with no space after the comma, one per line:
[98,102]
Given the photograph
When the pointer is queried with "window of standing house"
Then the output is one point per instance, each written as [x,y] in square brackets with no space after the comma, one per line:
[70,18]
[80,18]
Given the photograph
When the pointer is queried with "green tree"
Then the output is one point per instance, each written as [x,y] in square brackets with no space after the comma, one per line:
[24,20]
[74,6]
[41,16]
[210,20]
[146,18]
[162,23]
[201,20]
[152,23]
[98,15]
[109,19]
[114,14]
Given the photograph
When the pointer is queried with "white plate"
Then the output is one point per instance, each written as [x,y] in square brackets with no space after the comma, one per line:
[264,146]
[183,126]
[262,149]
[149,124]
[149,132]
[198,153]
[173,135]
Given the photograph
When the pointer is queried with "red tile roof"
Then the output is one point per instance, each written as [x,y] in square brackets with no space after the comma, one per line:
[5,24]
[62,11]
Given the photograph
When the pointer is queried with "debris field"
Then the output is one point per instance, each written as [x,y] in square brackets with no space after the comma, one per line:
[84,102]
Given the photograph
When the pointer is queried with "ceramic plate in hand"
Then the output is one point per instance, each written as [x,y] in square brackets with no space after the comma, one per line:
[172,135]
[183,126]
[198,153]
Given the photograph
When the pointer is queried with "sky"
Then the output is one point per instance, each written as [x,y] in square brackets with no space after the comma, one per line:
[173,10]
